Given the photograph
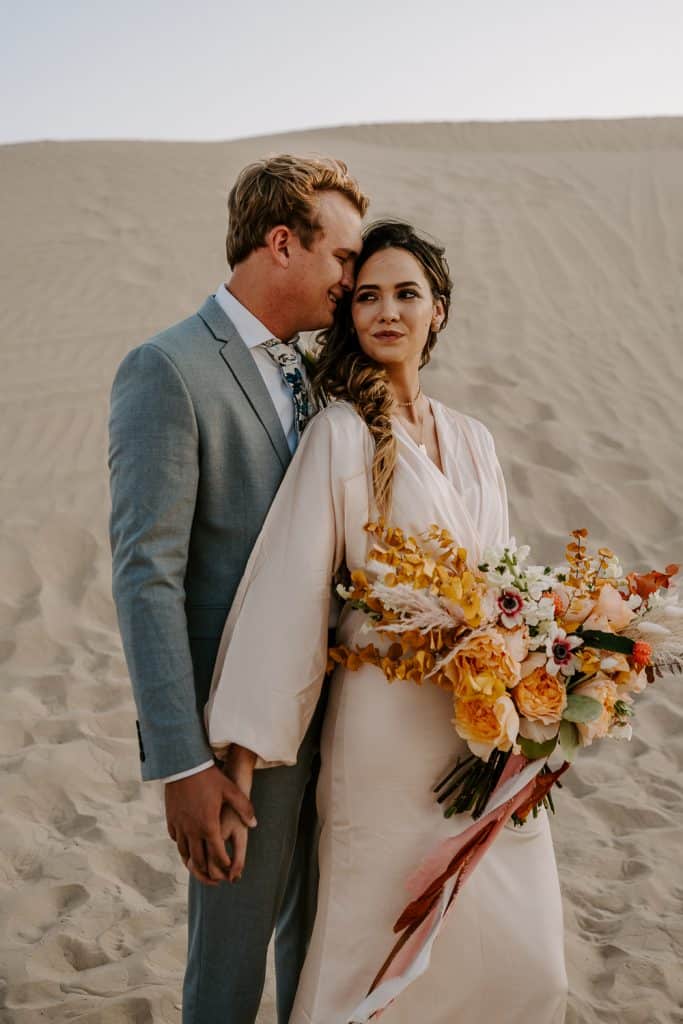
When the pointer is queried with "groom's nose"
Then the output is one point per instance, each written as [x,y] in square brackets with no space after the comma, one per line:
[348,277]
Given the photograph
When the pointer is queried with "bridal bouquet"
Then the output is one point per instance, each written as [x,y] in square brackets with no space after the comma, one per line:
[539,660]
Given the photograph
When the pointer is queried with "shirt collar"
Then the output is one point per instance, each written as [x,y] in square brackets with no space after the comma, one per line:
[250,329]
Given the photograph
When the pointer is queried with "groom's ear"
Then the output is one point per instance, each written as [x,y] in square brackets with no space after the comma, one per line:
[279,242]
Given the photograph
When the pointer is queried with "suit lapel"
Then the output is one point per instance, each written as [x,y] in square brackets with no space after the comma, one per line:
[245,371]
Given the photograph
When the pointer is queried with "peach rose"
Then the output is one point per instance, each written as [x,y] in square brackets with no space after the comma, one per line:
[611,612]
[604,690]
[633,681]
[482,664]
[578,611]
[486,724]
[540,696]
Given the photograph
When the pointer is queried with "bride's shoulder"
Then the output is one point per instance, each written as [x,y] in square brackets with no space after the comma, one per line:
[469,425]
[339,416]
[339,429]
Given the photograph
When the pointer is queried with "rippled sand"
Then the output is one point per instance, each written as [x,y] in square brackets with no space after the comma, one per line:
[566,244]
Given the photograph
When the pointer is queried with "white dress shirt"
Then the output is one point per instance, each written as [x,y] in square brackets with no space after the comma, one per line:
[253,333]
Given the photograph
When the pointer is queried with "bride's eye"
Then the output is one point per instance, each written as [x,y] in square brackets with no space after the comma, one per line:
[408,293]
[364,296]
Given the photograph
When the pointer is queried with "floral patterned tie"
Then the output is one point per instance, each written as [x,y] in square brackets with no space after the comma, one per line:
[285,355]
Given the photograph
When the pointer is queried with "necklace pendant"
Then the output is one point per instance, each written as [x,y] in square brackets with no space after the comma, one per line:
[423,448]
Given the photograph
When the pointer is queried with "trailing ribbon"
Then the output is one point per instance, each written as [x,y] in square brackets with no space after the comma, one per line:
[435,884]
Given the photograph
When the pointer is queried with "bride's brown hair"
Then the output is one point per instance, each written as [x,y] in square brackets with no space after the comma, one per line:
[344,371]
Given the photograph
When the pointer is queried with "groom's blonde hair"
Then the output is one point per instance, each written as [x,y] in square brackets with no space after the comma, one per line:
[281,190]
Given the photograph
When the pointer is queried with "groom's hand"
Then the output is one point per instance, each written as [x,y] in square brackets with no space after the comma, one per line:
[193,818]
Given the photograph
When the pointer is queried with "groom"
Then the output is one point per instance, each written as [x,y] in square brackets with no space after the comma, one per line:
[204,419]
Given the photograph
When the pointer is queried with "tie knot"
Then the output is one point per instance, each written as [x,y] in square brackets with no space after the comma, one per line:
[282,352]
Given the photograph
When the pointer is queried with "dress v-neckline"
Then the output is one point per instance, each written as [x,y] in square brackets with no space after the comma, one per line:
[422,448]
[442,474]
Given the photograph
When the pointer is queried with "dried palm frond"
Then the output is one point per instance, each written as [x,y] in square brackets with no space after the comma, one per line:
[419,610]
[662,628]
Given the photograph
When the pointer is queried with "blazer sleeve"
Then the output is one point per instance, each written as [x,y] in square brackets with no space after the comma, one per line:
[273,652]
[154,472]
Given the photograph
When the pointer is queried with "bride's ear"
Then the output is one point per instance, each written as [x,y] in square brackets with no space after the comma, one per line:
[438,316]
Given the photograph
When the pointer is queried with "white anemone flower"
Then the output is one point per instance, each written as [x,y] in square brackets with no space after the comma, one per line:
[560,649]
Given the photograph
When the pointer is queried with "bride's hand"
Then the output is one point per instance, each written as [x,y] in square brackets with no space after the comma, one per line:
[238,766]
[233,829]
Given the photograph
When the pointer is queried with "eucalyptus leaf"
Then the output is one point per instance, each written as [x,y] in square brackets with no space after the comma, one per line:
[534,750]
[569,739]
[581,708]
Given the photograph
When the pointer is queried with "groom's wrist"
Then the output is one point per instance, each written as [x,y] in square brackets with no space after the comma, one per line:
[189,772]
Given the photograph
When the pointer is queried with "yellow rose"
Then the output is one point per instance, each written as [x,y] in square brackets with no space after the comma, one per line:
[540,697]
[603,689]
[486,724]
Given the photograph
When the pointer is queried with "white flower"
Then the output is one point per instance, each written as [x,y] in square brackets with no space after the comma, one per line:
[492,556]
[560,650]
[620,731]
[612,569]
[537,731]
[537,581]
[536,612]
[510,607]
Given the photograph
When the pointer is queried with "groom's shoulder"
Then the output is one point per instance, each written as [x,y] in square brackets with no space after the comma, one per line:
[182,348]
[179,341]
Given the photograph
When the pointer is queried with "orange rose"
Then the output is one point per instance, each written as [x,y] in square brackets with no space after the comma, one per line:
[486,724]
[540,697]
[482,665]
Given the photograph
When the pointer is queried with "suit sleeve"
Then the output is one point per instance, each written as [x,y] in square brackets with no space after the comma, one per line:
[154,471]
[273,652]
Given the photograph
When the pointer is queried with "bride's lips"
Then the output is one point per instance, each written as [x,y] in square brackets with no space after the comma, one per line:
[388,335]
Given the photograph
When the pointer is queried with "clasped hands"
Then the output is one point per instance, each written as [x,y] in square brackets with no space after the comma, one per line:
[206,810]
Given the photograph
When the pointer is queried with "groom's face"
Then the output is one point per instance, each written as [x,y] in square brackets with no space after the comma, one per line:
[321,274]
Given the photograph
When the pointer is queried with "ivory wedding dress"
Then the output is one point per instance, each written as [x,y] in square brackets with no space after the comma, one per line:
[499,958]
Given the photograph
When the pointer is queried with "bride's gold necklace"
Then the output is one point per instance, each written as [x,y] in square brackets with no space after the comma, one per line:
[402,405]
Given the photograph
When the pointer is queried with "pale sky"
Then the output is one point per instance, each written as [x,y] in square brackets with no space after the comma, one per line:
[146,69]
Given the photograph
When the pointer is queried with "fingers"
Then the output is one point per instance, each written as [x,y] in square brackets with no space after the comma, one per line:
[198,866]
[183,848]
[242,805]
[239,853]
[218,862]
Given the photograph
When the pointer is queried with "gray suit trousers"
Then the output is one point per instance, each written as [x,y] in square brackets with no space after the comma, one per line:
[225,972]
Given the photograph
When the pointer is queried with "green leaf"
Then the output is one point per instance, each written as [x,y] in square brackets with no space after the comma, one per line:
[607,641]
[569,739]
[534,750]
[581,708]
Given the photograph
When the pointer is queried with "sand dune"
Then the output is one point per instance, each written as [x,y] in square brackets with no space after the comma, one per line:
[566,245]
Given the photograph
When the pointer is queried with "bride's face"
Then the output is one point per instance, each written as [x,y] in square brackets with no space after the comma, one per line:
[393,309]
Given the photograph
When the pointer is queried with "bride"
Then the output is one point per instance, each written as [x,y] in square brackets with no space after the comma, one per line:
[381,446]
